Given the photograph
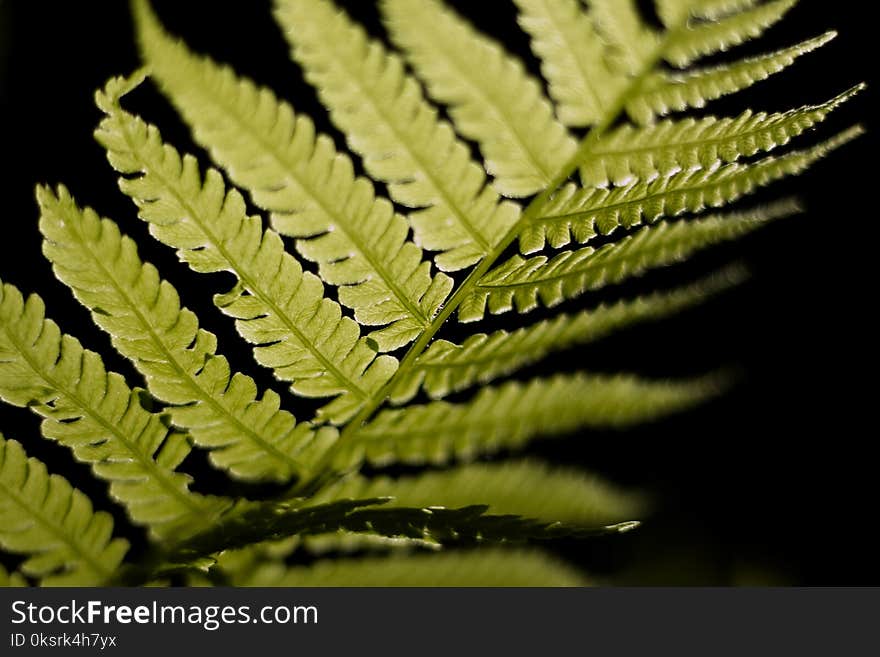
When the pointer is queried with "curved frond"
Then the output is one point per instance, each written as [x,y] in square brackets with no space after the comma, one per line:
[278,307]
[573,59]
[358,240]
[665,148]
[403,143]
[522,282]
[509,416]
[711,36]
[664,93]
[250,436]
[94,412]
[42,516]
[523,488]
[580,214]
[492,99]
[446,367]
[485,567]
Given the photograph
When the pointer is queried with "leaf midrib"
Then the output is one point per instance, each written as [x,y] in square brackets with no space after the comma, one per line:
[467,286]
[724,176]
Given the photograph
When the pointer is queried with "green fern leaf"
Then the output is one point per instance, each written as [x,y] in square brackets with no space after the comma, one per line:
[527,489]
[357,239]
[251,437]
[387,122]
[522,282]
[95,414]
[671,146]
[603,61]
[708,37]
[43,517]
[278,307]
[491,98]
[488,567]
[446,367]
[573,59]
[511,415]
[664,93]
[581,214]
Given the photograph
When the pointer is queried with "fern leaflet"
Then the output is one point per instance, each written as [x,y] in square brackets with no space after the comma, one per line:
[278,307]
[572,57]
[446,367]
[358,239]
[42,516]
[706,38]
[386,120]
[491,98]
[509,416]
[94,412]
[581,214]
[522,282]
[251,437]
[663,149]
[663,93]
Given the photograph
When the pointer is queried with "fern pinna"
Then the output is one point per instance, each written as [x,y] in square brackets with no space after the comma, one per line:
[591,186]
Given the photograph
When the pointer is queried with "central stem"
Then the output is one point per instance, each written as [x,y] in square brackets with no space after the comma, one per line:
[531,212]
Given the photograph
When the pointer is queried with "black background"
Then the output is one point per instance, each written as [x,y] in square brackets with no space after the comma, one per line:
[772,483]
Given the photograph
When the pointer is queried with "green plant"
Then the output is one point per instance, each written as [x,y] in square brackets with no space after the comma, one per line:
[595,211]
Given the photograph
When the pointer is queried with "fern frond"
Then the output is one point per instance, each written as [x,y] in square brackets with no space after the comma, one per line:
[403,143]
[573,59]
[509,416]
[664,93]
[581,214]
[486,567]
[491,98]
[94,412]
[663,149]
[708,37]
[11,580]
[522,282]
[446,367]
[42,516]
[524,488]
[249,436]
[278,307]
[357,239]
